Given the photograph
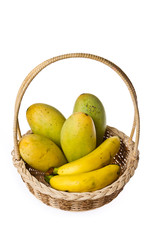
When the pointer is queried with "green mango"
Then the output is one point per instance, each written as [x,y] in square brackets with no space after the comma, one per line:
[40,152]
[78,136]
[90,104]
[46,121]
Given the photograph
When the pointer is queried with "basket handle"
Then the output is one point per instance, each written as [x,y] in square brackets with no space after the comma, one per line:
[36,70]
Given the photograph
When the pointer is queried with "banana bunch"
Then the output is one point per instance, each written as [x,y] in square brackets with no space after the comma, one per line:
[89,173]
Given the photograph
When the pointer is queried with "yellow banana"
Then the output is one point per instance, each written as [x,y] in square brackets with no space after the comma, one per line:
[98,158]
[86,182]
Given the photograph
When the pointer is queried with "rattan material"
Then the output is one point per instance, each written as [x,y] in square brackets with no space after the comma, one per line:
[127,157]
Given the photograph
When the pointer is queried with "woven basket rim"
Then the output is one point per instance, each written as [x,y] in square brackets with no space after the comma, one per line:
[117,185]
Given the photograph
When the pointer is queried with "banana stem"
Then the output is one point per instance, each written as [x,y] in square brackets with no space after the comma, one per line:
[55,171]
[48,177]
[49,171]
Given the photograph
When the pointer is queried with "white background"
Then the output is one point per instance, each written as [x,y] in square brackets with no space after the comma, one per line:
[128,34]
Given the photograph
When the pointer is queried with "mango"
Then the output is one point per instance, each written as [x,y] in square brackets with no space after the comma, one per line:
[40,152]
[90,104]
[78,136]
[45,120]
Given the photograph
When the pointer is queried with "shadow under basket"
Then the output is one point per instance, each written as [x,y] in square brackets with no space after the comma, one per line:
[127,157]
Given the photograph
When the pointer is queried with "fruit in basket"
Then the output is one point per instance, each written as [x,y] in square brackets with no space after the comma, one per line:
[78,136]
[40,152]
[90,104]
[98,158]
[45,120]
[86,182]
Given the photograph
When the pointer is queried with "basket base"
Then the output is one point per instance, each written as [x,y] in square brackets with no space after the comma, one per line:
[75,206]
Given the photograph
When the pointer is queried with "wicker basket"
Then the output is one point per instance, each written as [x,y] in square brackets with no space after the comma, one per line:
[127,156]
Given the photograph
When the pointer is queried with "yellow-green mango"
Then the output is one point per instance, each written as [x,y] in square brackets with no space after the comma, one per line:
[78,136]
[46,121]
[40,152]
[90,104]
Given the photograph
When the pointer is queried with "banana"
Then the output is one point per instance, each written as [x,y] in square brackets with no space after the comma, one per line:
[98,158]
[86,182]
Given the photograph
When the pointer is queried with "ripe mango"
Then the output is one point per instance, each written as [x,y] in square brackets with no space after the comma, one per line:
[78,136]
[90,104]
[46,121]
[40,152]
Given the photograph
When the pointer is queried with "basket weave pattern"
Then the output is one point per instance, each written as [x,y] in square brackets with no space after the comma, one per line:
[127,156]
